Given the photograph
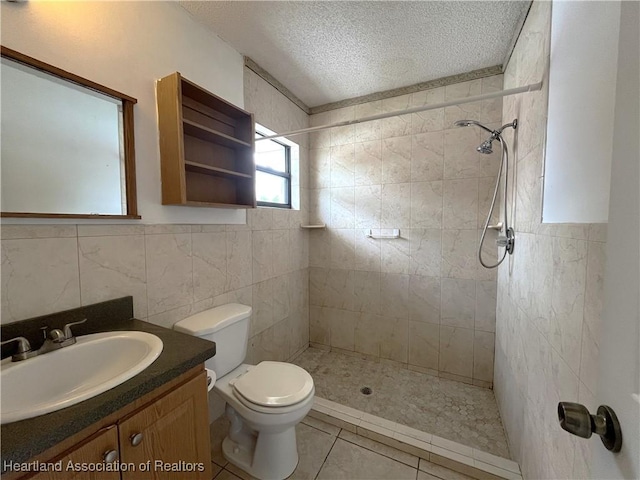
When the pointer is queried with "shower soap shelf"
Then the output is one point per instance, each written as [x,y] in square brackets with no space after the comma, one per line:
[395,234]
[314,227]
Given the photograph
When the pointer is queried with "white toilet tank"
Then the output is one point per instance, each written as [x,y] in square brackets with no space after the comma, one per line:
[228,326]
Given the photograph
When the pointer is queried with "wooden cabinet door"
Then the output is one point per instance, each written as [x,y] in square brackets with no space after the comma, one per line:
[90,453]
[173,436]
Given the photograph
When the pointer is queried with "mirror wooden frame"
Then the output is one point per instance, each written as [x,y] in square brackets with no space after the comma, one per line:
[128,137]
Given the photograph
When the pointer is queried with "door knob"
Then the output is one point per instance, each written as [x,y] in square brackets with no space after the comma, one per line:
[576,419]
[136,438]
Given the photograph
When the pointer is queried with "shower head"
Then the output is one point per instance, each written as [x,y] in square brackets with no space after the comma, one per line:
[486,147]
[468,123]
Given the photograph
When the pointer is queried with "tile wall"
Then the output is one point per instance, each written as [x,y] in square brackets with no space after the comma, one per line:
[422,300]
[173,271]
[549,293]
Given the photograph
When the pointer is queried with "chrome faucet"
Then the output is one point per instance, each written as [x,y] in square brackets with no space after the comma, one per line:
[57,339]
[54,340]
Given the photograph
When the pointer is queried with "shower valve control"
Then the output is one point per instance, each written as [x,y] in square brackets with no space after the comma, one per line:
[507,241]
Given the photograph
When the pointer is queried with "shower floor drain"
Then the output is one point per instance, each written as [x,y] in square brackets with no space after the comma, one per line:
[366,391]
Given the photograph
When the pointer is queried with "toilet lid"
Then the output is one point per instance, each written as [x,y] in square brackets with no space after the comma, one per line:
[274,384]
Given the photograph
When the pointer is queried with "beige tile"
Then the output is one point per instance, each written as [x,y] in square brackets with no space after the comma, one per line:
[396,160]
[319,248]
[320,206]
[319,325]
[320,168]
[340,289]
[343,324]
[113,267]
[97,230]
[343,165]
[169,271]
[394,294]
[14,232]
[424,299]
[260,218]
[460,155]
[457,307]
[262,315]
[313,447]
[282,252]
[456,350]
[460,203]
[368,163]
[459,253]
[426,204]
[343,207]
[424,344]
[395,253]
[367,251]
[350,461]
[426,252]
[39,276]
[366,292]
[239,260]
[166,229]
[282,293]
[368,205]
[396,126]
[396,205]
[485,314]
[380,448]
[486,188]
[427,157]
[209,264]
[262,258]
[342,248]
[440,472]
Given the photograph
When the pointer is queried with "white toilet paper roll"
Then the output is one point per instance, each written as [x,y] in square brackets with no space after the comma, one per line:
[211,379]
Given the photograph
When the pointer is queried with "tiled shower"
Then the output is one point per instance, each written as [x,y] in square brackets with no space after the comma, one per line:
[421,300]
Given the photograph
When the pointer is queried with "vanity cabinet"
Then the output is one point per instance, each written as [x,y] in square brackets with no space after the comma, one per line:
[206,147]
[168,430]
[92,451]
[173,430]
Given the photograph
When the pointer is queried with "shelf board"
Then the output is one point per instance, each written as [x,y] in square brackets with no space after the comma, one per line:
[209,170]
[205,133]
[191,203]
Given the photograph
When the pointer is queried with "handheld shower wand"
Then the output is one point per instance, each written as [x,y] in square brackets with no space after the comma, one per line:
[506,241]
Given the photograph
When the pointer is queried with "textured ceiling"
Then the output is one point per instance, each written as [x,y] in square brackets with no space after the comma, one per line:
[326,51]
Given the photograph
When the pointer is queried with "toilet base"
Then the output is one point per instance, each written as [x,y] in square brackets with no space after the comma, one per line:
[274,456]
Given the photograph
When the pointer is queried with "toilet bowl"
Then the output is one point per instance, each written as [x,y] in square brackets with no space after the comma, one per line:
[262,436]
[264,403]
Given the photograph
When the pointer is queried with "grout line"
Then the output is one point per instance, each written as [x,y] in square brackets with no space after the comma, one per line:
[327,456]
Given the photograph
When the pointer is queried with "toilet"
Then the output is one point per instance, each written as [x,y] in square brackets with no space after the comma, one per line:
[265,402]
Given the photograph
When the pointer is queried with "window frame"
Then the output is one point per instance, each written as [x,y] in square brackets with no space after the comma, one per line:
[286,175]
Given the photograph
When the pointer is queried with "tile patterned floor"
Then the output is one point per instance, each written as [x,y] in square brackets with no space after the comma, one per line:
[456,411]
[329,453]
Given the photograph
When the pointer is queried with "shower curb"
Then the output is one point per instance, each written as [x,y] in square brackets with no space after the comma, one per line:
[455,456]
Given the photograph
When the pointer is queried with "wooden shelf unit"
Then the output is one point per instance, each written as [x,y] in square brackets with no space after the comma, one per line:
[206,147]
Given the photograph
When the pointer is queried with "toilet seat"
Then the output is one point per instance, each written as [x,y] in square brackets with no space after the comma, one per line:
[273,385]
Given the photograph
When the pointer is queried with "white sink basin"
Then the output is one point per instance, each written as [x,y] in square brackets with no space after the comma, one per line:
[64,377]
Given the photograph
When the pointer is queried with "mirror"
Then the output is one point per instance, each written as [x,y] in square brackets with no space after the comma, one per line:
[67,144]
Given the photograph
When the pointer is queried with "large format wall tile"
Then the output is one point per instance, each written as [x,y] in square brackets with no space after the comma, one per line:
[112,267]
[169,271]
[39,276]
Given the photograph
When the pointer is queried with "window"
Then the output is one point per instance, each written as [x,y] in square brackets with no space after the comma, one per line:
[273,173]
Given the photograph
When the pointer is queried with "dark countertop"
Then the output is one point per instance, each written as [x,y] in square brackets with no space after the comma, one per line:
[24,439]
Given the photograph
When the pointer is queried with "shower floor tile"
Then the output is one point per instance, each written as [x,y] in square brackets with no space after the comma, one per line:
[456,411]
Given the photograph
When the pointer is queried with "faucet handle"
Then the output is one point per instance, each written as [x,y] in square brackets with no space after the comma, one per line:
[67,328]
[23,344]
[24,349]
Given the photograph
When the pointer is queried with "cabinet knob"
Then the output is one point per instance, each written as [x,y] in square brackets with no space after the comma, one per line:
[136,438]
[110,456]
